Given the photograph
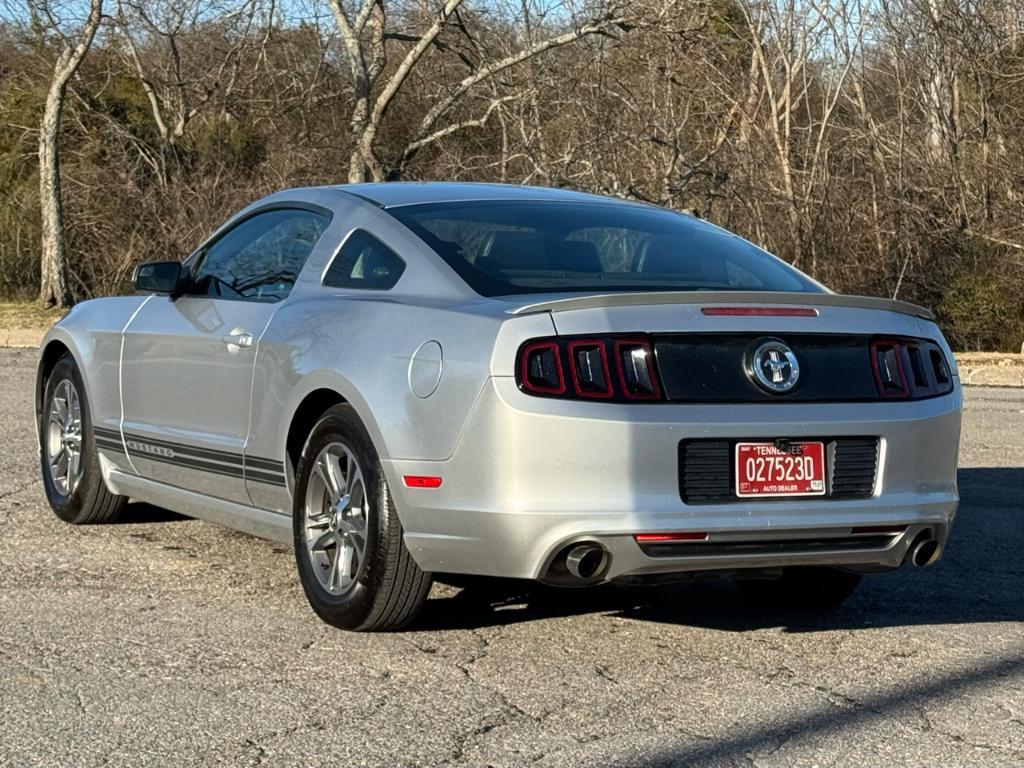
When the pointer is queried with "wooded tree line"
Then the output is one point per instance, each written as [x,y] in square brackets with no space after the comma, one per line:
[876,144]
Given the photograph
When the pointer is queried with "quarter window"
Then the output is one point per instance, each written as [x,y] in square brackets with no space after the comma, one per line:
[364,262]
[260,259]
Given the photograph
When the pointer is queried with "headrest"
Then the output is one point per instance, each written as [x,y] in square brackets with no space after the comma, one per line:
[518,250]
[667,255]
[577,256]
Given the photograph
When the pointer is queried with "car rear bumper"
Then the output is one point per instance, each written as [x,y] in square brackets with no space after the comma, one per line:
[531,476]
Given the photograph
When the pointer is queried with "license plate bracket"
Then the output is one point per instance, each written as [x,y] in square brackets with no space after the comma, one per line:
[779,469]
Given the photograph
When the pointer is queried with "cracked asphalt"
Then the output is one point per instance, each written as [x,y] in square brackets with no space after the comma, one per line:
[166,641]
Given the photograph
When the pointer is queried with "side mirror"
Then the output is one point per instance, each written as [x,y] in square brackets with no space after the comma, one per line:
[159,277]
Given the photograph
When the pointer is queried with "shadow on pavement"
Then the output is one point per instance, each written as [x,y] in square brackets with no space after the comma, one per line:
[139,512]
[979,579]
[744,742]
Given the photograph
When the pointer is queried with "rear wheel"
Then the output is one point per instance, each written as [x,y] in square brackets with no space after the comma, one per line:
[806,589]
[70,462]
[353,564]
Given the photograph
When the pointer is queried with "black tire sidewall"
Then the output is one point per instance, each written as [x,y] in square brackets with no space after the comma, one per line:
[340,424]
[73,507]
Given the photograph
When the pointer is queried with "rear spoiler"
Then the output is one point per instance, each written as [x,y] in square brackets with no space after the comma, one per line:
[722,297]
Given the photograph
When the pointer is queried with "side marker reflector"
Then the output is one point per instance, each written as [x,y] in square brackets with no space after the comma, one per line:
[422,481]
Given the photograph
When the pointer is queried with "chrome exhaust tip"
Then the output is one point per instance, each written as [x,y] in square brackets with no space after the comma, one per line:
[924,551]
[585,561]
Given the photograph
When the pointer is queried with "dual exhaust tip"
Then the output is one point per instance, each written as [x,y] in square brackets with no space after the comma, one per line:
[586,561]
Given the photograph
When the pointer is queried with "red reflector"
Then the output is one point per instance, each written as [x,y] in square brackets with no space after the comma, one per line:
[879,529]
[422,481]
[759,311]
[650,538]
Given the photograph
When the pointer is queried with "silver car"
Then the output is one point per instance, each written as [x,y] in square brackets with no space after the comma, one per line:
[409,381]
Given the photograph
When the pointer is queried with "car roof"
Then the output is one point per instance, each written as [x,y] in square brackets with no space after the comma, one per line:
[398,193]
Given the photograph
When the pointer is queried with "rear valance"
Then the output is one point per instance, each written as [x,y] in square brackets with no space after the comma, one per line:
[719,298]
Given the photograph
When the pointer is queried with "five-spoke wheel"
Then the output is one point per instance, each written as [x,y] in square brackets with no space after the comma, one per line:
[64,437]
[335,518]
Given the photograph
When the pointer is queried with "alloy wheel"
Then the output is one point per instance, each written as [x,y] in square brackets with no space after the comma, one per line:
[64,438]
[336,518]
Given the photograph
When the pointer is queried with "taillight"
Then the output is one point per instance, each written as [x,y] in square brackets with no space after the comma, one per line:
[540,368]
[909,368]
[887,363]
[636,369]
[589,365]
[940,367]
[606,367]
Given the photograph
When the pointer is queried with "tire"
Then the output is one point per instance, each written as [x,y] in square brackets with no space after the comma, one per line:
[82,499]
[803,589]
[379,589]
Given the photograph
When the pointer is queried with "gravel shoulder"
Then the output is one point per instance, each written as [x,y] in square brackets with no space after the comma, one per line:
[167,641]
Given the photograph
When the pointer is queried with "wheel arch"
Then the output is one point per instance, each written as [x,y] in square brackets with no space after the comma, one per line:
[52,351]
[305,417]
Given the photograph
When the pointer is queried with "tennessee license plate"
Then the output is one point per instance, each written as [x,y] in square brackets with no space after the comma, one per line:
[764,470]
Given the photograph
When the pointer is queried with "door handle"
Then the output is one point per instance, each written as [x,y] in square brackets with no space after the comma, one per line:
[238,338]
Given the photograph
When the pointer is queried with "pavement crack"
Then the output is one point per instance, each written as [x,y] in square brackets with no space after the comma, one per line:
[602,671]
[17,489]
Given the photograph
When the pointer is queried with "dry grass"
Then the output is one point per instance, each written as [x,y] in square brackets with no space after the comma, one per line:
[27,315]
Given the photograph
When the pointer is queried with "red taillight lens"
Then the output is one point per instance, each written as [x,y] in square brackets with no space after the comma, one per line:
[588,362]
[635,365]
[887,364]
[659,538]
[540,369]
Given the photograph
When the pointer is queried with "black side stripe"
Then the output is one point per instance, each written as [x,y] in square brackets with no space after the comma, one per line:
[216,469]
[268,471]
[264,478]
[271,464]
[209,454]
[105,444]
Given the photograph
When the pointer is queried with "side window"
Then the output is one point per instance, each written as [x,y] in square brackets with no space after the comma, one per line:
[364,262]
[259,259]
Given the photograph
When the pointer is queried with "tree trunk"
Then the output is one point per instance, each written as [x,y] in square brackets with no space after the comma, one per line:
[53,277]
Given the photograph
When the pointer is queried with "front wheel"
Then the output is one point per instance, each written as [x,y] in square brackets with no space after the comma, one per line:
[353,564]
[805,589]
[70,462]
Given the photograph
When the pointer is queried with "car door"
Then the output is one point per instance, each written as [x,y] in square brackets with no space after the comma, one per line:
[187,361]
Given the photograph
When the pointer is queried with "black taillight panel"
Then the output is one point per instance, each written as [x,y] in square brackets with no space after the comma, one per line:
[613,368]
[708,368]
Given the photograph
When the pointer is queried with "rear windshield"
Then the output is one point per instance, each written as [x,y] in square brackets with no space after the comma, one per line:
[519,246]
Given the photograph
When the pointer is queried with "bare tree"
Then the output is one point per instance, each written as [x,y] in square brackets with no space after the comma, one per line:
[71,49]
[800,104]
[366,35]
[178,85]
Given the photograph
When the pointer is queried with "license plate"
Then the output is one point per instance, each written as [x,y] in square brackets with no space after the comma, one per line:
[764,470]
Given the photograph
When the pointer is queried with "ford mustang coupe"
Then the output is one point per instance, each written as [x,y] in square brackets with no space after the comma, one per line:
[416,380]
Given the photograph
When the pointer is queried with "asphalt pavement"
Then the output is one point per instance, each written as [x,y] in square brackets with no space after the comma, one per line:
[172,642]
